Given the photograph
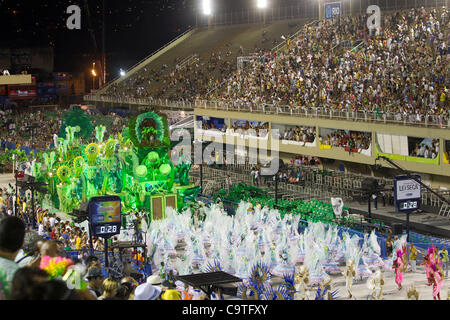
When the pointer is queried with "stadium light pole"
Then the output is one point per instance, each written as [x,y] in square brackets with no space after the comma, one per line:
[94,74]
[207,10]
[262,4]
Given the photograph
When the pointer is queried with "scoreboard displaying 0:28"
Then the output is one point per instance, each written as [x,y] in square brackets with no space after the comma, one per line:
[105,216]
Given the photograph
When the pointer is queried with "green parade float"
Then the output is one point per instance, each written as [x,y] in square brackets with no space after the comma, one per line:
[134,165]
[309,211]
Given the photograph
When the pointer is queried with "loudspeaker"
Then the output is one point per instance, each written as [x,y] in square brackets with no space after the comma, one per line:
[397,229]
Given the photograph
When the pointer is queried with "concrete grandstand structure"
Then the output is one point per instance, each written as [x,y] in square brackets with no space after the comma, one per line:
[390,136]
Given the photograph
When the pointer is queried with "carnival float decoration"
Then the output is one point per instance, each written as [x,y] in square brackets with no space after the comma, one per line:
[134,165]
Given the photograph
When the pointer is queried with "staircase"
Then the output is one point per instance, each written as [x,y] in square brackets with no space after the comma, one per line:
[445,211]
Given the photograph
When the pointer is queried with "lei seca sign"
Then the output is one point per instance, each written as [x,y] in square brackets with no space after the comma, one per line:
[408,189]
[407,193]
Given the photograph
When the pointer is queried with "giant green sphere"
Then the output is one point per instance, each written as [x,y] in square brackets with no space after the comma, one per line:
[165,169]
[153,157]
[141,171]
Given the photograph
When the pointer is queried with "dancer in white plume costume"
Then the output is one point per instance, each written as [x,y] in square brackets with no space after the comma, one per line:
[375,283]
[372,251]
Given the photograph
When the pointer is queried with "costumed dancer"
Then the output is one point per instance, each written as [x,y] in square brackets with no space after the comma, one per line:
[413,257]
[399,267]
[437,278]
[444,254]
[434,276]
[363,271]
[413,294]
[375,284]
[301,283]
[372,252]
[349,274]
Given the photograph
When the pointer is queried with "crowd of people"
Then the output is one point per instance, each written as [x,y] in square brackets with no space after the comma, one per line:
[194,80]
[423,150]
[297,134]
[28,129]
[399,70]
[26,274]
[186,79]
[344,139]
[246,128]
[34,129]
[260,130]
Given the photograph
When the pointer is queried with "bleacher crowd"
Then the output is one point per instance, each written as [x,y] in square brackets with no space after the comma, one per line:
[398,72]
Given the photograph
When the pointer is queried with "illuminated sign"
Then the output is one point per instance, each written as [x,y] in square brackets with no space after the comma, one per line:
[407,193]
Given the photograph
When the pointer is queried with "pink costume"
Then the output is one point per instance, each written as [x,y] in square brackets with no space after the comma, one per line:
[398,268]
[437,285]
[433,273]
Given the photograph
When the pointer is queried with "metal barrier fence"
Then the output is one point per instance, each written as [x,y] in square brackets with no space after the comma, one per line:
[390,118]
[327,112]
[315,183]
[437,121]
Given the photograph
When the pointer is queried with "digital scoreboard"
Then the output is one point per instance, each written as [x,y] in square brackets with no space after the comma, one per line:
[407,193]
[105,216]
[333,9]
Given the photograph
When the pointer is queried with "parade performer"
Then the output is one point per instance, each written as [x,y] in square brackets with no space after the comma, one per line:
[376,283]
[437,280]
[413,294]
[301,283]
[349,275]
[399,268]
[412,257]
[444,254]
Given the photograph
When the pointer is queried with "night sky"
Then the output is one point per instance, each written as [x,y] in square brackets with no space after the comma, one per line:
[134,28]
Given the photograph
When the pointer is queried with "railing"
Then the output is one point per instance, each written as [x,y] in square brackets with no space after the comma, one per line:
[430,199]
[187,105]
[430,120]
[439,121]
[281,45]
[188,61]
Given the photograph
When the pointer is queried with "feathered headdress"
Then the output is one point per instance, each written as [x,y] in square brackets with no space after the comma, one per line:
[55,267]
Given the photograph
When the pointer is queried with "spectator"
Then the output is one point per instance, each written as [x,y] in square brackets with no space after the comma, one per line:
[95,281]
[52,290]
[12,234]
[389,243]
[25,279]
[147,292]
[50,249]
[110,287]
[30,250]
[124,291]
[131,284]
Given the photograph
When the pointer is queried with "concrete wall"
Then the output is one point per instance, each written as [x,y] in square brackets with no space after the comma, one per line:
[439,174]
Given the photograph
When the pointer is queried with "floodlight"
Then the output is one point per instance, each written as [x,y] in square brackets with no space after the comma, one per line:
[207,7]
[262,4]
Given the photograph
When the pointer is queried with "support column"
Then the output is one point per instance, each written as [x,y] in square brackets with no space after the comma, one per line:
[321,9]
